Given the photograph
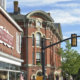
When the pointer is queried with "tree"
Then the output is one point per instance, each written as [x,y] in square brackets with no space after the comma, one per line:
[70,60]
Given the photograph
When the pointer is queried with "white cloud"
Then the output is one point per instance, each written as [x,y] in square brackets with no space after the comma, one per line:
[72,32]
[63,16]
[64,37]
[79,41]
[70,5]
[36,2]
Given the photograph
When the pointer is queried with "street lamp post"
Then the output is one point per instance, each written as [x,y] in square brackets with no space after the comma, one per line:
[43,57]
[73,44]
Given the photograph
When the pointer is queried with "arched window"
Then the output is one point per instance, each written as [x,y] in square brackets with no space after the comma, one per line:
[38,39]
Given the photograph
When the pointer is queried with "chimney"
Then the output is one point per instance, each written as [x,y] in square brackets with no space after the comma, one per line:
[16,7]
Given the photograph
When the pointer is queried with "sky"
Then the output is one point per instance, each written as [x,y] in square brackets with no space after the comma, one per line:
[65,12]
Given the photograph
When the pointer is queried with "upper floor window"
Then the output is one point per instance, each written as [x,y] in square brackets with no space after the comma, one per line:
[33,41]
[38,58]
[33,58]
[38,39]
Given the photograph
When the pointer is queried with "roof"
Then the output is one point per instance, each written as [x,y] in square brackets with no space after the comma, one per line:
[17,16]
[13,22]
[40,13]
[58,29]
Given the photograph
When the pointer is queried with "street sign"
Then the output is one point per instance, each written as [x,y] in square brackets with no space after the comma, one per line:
[39,78]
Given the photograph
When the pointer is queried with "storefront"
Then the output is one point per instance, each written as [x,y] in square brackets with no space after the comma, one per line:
[10,47]
[9,67]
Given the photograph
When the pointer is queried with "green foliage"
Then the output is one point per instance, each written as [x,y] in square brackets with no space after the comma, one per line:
[70,60]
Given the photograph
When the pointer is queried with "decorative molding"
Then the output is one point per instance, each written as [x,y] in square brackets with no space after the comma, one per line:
[33,75]
[10,59]
[48,38]
[38,32]
[30,21]
[30,65]
[48,65]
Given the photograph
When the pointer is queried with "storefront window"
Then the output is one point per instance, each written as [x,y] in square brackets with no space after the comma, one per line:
[9,71]
[12,76]
[3,75]
[8,66]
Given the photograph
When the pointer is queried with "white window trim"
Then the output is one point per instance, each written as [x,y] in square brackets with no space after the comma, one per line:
[18,42]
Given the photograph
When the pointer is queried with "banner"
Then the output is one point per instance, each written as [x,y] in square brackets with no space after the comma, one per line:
[6,37]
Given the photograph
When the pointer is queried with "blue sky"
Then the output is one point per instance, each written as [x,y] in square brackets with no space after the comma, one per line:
[66,12]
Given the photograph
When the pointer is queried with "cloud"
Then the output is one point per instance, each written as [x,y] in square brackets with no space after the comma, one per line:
[36,2]
[65,17]
[64,37]
[68,5]
[59,15]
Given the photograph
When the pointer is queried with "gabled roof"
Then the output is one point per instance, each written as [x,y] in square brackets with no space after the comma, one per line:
[11,20]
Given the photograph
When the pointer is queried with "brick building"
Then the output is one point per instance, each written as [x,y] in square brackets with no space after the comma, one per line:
[38,24]
[10,49]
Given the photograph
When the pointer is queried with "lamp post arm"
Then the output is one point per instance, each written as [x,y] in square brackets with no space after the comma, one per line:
[58,42]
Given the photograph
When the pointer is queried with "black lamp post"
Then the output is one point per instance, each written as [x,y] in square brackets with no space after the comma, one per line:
[73,44]
[43,57]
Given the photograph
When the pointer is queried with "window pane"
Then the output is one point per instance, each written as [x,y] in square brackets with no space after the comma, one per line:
[33,40]
[38,39]
[33,58]
[38,58]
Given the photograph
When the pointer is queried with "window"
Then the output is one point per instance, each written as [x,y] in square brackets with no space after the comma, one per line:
[33,58]
[33,41]
[18,42]
[38,39]
[38,58]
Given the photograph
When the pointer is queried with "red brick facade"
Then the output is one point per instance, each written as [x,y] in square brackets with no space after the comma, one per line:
[12,30]
[10,58]
[52,33]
